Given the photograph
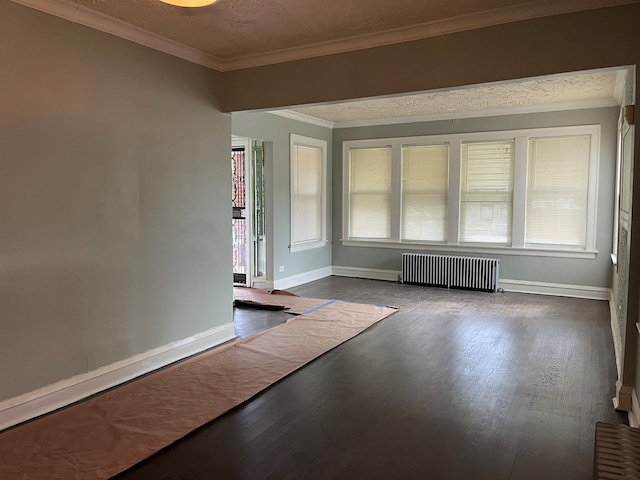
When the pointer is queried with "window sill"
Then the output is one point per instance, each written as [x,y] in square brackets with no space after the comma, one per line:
[300,247]
[467,248]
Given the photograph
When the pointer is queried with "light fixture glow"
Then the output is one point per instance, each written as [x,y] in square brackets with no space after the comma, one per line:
[190,3]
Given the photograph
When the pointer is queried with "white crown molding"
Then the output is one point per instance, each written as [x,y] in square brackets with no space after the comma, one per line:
[490,18]
[90,18]
[301,117]
[555,107]
[47,399]
[98,21]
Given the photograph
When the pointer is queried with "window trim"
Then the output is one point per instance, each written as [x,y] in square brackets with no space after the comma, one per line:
[309,142]
[518,246]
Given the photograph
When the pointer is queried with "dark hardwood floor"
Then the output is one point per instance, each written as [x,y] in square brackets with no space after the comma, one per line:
[456,385]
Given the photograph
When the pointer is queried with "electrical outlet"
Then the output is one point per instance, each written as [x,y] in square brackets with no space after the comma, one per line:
[281,269]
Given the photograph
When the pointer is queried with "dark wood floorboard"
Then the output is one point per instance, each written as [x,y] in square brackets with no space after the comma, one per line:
[456,385]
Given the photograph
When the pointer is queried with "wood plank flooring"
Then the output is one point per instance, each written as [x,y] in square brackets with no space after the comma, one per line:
[456,385]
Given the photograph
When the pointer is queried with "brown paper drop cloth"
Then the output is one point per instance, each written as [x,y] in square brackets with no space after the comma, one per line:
[107,434]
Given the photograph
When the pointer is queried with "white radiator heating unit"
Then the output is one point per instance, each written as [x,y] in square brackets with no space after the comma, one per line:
[451,271]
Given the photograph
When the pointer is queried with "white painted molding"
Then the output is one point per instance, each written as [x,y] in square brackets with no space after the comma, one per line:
[615,332]
[302,278]
[262,283]
[369,273]
[47,399]
[516,286]
[556,289]
[104,23]
[470,249]
[301,117]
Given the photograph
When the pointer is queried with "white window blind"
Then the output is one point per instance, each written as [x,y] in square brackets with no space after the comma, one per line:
[557,190]
[370,192]
[486,192]
[425,177]
[307,194]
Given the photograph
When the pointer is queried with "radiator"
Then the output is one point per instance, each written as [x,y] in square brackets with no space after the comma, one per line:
[451,271]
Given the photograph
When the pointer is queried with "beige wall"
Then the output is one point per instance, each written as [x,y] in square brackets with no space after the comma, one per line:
[114,200]
[592,39]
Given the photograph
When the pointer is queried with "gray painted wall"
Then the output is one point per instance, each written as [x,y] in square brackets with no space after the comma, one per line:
[275,131]
[114,200]
[595,272]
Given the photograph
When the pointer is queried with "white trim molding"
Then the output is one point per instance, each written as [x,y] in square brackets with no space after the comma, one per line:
[302,278]
[301,117]
[515,286]
[555,289]
[369,273]
[60,394]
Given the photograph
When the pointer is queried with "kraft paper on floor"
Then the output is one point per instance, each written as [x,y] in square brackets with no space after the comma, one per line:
[108,433]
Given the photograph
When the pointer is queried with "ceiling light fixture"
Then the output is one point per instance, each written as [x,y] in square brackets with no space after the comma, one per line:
[190,3]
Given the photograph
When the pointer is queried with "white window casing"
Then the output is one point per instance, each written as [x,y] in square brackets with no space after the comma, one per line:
[308,166]
[488,204]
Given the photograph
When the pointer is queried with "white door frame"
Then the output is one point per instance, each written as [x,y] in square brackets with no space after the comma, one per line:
[240,142]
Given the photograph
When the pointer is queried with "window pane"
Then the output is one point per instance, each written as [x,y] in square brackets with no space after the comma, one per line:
[370,193]
[425,177]
[557,187]
[307,194]
[486,192]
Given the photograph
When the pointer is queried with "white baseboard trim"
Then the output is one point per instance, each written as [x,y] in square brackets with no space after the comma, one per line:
[47,399]
[302,278]
[519,286]
[556,289]
[369,273]
[268,284]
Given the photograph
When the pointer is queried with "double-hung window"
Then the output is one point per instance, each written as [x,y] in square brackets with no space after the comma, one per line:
[370,193]
[513,191]
[308,193]
[425,179]
[487,192]
[558,191]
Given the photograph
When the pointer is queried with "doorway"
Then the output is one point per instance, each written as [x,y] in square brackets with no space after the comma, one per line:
[248,222]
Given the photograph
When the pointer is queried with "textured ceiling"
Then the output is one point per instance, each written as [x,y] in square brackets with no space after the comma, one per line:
[267,31]
[554,92]
[232,34]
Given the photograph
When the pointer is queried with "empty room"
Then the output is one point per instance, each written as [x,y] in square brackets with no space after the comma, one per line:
[462,171]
